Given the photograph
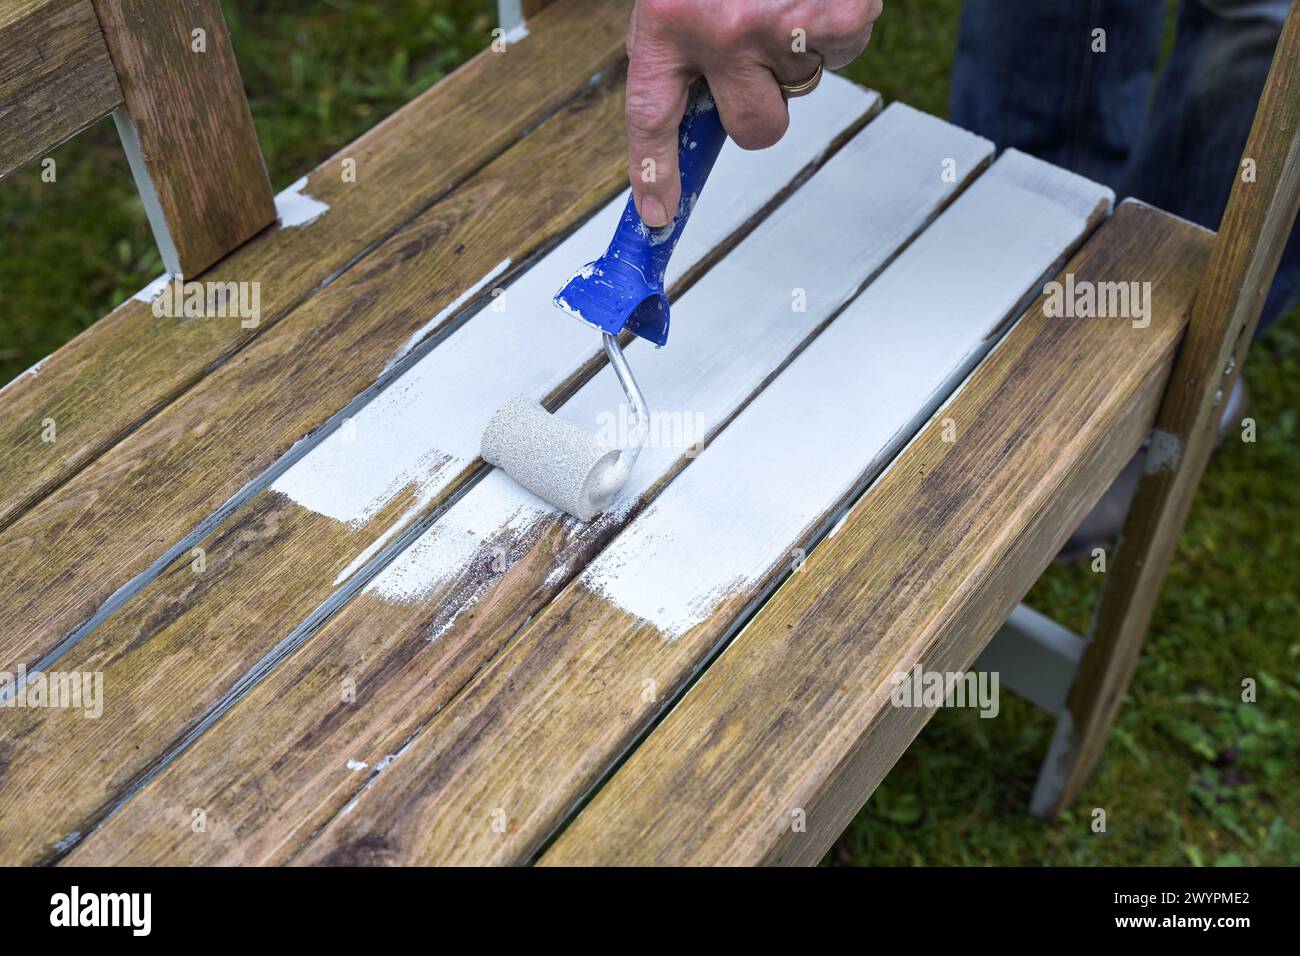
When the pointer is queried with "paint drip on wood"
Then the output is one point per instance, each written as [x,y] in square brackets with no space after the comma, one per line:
[296,207]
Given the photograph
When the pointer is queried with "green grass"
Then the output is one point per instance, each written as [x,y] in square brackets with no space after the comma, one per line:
[318,73]
[1192,774]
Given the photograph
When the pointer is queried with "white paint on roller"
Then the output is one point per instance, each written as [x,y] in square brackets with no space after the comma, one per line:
[436,322]
[424,428]
[296,208]
[153,289]
[551,457]
[848,401]
[355,765]
[731,331]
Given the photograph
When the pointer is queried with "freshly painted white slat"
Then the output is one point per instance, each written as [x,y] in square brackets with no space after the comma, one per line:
[849,401]
[423,430]
[730,333]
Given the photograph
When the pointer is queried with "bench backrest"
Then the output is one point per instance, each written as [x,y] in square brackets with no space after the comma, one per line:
[166,71]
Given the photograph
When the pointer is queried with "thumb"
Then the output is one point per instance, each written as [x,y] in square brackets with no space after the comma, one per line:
[656,100]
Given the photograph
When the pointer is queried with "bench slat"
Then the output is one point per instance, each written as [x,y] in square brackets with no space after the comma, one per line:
[265,571]
[523,743]
[793,724]
[56,77]
[167,477]
[117,519]
[507,553]
[106,382]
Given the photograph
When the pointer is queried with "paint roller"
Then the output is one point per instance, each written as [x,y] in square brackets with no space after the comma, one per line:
[623,289]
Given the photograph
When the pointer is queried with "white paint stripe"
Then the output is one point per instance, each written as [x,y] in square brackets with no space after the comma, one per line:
[424,428]
[296,208]
[730,331]
[853,396]
[436,322]
[153,289]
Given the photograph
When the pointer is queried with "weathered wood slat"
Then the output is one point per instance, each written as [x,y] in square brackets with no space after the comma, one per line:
[56,77]
[428,421]
[498,768]
[501,551]
[773,751]
[61,562]
[104,383]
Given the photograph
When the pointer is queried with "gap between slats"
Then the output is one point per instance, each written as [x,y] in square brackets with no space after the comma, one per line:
[37,490]
[405,363]
[417,807]
[916,162]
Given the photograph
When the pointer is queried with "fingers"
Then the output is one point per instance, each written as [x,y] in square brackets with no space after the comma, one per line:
[842,33]
[656,100]
[841,51]
[750,103]
[745,51]
[794,69]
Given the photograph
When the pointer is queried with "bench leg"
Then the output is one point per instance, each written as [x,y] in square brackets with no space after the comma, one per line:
[1039,660]
[1256,224]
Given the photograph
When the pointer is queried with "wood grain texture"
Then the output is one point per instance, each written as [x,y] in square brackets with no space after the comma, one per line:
[794,719]
[497,769]
[507,553]
[56,77]
[156,486]
[275,560]
[198,166]
[1256,225]
[123,370]
[239,418]
[62,560]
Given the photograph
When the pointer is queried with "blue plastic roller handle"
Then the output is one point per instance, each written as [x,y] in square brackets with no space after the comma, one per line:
[624,288]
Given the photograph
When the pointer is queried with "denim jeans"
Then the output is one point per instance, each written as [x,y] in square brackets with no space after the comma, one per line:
[1026,76]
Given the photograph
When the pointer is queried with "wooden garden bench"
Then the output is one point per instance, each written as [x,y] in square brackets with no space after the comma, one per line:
[328,634]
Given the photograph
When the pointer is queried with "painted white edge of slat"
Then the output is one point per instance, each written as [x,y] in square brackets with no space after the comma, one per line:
[423,429]
[730,332]
[848,402]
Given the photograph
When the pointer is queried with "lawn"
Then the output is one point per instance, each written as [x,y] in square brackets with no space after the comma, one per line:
[1193,774]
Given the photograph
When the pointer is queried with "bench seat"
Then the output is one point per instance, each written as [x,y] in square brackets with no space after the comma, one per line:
[330,634]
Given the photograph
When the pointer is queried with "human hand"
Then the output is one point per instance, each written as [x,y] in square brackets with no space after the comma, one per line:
[745,49]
